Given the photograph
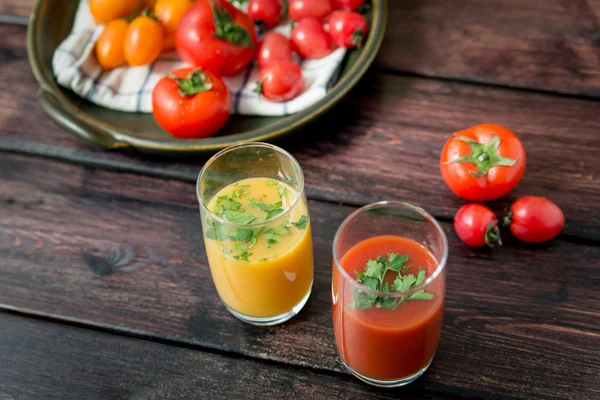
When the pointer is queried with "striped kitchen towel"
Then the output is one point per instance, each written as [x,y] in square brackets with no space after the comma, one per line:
[129,89]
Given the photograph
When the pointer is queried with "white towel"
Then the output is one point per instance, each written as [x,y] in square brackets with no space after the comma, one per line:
[130,88]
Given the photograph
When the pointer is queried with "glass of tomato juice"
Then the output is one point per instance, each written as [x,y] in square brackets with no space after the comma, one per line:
[257,232]
[388,289]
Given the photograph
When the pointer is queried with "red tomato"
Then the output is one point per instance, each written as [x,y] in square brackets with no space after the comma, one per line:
[349,4]
[272,48]
[476,225]
[310,40]
[217,36]
[348,28]
[280,81]
[267,12]
[535,219]
[318,9]
[191,103]
[483,163]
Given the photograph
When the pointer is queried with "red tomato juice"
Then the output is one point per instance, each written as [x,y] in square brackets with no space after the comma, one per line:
[380,343]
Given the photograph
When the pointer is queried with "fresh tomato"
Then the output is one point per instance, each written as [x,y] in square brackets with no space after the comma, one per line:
[191,103]
[143,41]
[280,81]
[318,9]
[107,10]
[535,219]
[349,4]
[483,163]
[273,47]
[109,46]
[310,40]
[477,226]
[170,12]
[347,28]
[266,12]
[217,36]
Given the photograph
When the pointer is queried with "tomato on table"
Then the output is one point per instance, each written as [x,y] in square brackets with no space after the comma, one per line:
[265,12]
[349,4]
[217,36]
[280,81]
[107,10]
[347,28]
[310,40]
[273,47]
[191,103]
[476,225]
[483,163]
[169,13]
[318,9]
[144,41]
[535,219]
[109,46]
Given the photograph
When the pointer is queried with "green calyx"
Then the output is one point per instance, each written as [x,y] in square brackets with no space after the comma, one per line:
[226,29]
[484,155]
[357,38]
[193,84]
[492,234]
[259,86]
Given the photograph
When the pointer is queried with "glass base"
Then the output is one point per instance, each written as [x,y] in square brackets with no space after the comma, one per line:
[387,383]
[269,321]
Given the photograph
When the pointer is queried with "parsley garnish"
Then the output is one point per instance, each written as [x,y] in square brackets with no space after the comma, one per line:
[272,182]
[301,223]
[373,278]
[238,217]
[281,191]
[244,256]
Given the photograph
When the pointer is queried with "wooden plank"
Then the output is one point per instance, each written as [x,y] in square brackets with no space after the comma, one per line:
[382,142]
[124,252]
[47,360]
[551,45]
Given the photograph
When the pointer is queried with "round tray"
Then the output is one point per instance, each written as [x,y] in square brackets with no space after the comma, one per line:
[51,22]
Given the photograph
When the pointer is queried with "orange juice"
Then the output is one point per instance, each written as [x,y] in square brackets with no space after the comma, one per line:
[260,252]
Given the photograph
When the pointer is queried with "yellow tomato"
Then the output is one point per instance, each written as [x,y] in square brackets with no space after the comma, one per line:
[169,13]
[144,41]
[109,47]
[107,10]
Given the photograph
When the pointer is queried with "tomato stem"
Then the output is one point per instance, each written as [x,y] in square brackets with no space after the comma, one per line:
[193,84]
[484,155]
[226,29]
[492,234]
[357,38]
[507,219]
[259,87]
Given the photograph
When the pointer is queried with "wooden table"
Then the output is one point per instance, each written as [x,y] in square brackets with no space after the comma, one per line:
[105,291]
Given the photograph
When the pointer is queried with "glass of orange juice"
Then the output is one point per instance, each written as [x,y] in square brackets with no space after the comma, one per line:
[388,289]
[257,232]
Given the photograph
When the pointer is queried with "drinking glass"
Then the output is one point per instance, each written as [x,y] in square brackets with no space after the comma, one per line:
[388,338]
[265,289]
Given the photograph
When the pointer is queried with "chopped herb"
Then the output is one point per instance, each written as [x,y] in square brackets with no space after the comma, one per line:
[264,195]
[291,181]
[238,217]
[263,259]
[272,182]
[271,239]
[278,204]
[281,231]
[227,252]
[274,213]
[281,190]
[244,256]
[241,247]
[240,192]
[301,223]
[264,207]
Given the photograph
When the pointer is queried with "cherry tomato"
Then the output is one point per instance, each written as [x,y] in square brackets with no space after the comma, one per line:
[267,12]
[169,43]
[318,9]
[280,81]
[347,28]
[483,163]
[107,10]
[535,219]
[191,103]
[349,4]
[310,40]
[170,12]
[109,46]
[143,41]
[217,36]
[272,48]
[477,226]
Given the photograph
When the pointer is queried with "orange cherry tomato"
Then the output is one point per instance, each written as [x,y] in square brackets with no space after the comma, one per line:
[169,43]
[144,41]
[109,46]
[169,13]
[107,10]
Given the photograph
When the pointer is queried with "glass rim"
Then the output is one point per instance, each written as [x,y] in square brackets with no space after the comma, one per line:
[278,149]
[380,204]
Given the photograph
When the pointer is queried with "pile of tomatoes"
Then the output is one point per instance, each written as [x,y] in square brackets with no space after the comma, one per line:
[218,39]
[484,163]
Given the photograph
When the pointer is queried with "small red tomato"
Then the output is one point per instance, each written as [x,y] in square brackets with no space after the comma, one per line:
[310,40]
[267,12]
[476,225]
[349,4]
[191,103]
[318,9]
[272,48]
[535,219]
[280,81]
[483,163]
[348,29]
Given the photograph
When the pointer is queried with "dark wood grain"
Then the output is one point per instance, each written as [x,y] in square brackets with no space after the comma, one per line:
[124,252]
[382,142]
[46,360]
[550,45]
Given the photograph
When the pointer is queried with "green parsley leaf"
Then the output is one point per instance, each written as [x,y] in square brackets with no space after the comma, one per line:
[281,190]
[274,213]
[421,276]
[244,256]
[234,205]
[397,261]
[238,217]
[421,295]
[227,252]
[272,182]
[301,223]
[264,195]
[241,247]
[240,192]
[271,239]
[278,204]
[374,269]
[264,207]
[281,231]
[371,283]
